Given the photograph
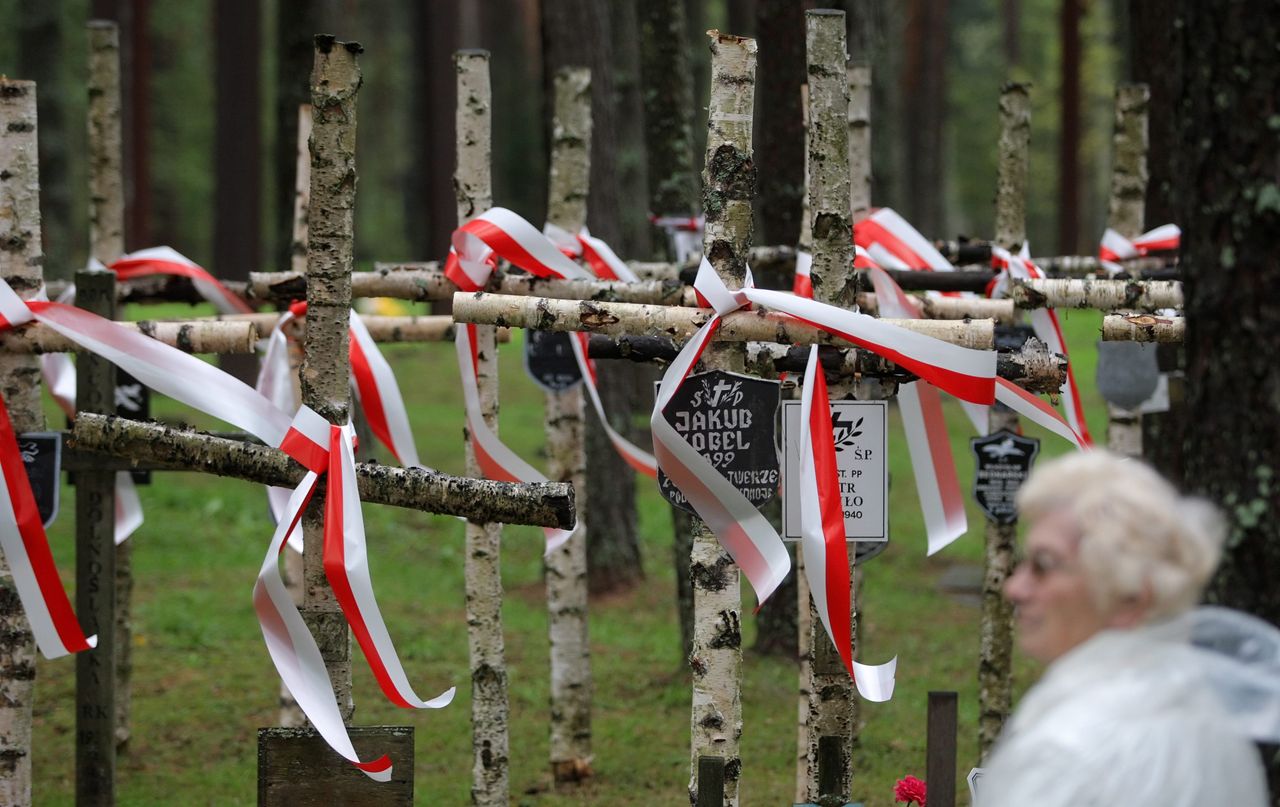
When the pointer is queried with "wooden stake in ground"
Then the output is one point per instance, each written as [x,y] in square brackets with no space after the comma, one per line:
[995,670]
[832,710]
[489,706]
[566,567]
[1125,215]
[728,184]
[106,243]
[325,372]
[20,266]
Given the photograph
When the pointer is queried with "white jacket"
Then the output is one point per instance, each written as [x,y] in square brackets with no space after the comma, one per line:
[1127,718]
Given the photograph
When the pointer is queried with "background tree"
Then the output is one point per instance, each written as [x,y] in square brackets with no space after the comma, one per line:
[1228,165]
[578,32]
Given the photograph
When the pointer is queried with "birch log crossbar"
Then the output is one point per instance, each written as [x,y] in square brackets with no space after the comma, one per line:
[549,504]
[1104,295]
[1143,328]
[1031,367]
[425,328]
[188,336]
[541,313]
[428,282]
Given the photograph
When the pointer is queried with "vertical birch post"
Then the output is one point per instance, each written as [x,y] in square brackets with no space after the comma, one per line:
[489,709]
[804,621]
[325,371]
[831,718]
[21,264]
[995,663]
[290,713]
[566,568]
[106,243]
[1125,214]
[860,139]
[728,184]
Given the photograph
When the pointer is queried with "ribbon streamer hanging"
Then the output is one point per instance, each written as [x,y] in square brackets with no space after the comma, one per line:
[306,437]
[1115,247]
[823,540]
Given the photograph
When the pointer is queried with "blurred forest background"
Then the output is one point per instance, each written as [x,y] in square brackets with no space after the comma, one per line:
[212,90]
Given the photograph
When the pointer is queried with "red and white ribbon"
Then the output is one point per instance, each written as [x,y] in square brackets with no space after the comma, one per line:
[59,375]
[1115,247]
[603,260]
[822,534]
[168,261]
[894,244]
[1044,321]
[928,443]
[639,459]
[683,232]
[500,233]
[306,437]
[745,535]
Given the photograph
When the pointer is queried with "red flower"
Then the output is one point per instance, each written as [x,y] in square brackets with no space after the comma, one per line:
[910,790]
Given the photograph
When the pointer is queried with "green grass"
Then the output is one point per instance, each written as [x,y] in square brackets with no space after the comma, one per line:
[203,682]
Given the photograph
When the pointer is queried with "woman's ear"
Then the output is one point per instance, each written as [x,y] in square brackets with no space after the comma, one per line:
[1131,611]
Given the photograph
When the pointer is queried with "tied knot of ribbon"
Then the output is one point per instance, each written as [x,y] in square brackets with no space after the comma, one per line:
[712,292]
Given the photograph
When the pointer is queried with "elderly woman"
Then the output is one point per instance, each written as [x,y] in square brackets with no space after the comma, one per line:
[1125,714]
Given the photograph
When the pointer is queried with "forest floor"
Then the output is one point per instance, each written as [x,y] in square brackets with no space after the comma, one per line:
[203,682]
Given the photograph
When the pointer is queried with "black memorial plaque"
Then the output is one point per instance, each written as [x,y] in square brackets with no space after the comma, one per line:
[42,458]
[549,360]
[729,420]
[1003,461]
[133,401]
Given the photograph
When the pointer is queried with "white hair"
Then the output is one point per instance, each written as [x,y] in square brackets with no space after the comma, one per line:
[1137,533]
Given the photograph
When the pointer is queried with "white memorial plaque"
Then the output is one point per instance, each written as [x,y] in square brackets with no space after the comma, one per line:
[862,454]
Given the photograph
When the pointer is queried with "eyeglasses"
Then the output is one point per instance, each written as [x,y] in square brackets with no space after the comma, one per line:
[1041,564]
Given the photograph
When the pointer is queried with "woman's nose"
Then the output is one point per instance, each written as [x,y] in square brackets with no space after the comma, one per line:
[1015,586]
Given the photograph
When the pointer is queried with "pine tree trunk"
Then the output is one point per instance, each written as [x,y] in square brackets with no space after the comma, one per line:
[489,706]
[39,34]
[296,22]
[780,151]
[1156,59]
[924,83]
[20,267]
[1069,141]
[576,32]
[1230,213]
[667,93]
[566,567]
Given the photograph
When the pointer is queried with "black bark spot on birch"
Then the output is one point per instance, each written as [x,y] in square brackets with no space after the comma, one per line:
[711,578]
[730,634]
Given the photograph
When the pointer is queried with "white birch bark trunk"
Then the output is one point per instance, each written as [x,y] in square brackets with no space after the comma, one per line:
[728,184]
[995,665]
[1126,213]
[20,265]
[860,140]
[290,712]
[489,701]
[325,371]
[566,568]
[832,709]
[106,243]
